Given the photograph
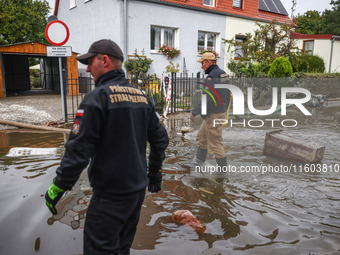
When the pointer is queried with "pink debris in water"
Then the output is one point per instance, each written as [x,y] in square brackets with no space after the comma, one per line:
[185,217]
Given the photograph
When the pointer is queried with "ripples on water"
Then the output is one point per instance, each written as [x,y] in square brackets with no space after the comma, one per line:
[251,213]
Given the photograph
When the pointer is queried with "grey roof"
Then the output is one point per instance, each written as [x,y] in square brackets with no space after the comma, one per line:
[274,6]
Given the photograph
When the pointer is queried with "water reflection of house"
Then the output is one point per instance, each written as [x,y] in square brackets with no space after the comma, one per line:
[22,138]
[3,139]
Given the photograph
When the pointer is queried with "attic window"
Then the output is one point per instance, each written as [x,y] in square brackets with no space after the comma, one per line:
[237,3]
[209,2]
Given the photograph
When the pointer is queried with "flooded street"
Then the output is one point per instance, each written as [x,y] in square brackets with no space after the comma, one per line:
[293,212]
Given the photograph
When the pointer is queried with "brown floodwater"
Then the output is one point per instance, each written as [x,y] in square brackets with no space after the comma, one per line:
[296,212]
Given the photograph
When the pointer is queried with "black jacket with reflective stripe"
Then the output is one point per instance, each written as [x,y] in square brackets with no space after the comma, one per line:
[113,125]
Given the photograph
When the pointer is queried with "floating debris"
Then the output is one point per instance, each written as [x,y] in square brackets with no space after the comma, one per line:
[24,151]
[185,129]
[185,217]
[37,244]
[284,146]
[206,191]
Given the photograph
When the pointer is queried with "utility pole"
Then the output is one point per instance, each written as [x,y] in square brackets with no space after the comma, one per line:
[293,8]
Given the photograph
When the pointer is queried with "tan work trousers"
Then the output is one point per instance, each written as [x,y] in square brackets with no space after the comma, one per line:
[210,137]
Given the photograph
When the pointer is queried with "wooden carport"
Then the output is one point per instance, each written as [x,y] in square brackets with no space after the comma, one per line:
[14,68]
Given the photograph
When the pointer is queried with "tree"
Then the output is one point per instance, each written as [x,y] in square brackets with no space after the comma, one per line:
[269,42]
[332,19]
[23,21]
[310,22]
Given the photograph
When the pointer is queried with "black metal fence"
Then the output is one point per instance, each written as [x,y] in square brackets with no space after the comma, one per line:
[180,93]
[177,89]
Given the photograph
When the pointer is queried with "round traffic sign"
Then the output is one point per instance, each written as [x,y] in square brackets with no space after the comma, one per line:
[57,33]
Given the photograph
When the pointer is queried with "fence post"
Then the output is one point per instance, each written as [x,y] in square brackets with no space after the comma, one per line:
[173,93]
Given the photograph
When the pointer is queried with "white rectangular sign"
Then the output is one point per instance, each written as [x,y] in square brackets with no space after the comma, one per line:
[59,51]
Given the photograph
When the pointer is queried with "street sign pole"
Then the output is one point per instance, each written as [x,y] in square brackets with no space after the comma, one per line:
[63,102]
[57,33]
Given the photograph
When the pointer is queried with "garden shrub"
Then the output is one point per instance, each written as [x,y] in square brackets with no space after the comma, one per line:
[249,68]
[139,64]
[280,67]
[308,63]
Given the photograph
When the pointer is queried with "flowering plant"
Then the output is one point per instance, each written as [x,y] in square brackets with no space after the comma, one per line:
[168,51]
[208,50]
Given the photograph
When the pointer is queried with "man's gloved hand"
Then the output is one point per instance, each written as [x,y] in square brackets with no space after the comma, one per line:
[155,181]
[52,197]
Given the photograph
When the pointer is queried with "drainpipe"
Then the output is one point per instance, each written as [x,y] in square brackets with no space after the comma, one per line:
[331,57]
[125,27]
[334,37]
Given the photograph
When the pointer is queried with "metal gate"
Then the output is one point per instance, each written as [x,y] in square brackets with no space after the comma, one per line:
[182,88]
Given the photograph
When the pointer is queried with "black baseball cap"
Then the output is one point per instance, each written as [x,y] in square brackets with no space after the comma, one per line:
[104,46]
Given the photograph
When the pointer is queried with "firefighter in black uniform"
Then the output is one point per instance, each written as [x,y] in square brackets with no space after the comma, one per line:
[209,134]
[113,124]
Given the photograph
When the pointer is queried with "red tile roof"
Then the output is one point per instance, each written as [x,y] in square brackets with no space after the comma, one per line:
[250,8]
[295,35]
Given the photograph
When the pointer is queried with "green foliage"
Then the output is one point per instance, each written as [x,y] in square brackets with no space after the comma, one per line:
[332,19]
[280,67]
[140,64]
[23,21]
[310,22]
[159,100]
[269,41]
[249,68]
[172,67]
[308,63]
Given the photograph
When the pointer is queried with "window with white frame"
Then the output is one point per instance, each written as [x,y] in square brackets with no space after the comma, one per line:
[73,4]
[163,35]
[237,3]
[209,2]
[308,46]
[207,41]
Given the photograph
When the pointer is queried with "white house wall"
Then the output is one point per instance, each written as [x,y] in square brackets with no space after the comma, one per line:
[91,21]
[335,68]
[322,48]
[94,20]
[188,22]
[236,26]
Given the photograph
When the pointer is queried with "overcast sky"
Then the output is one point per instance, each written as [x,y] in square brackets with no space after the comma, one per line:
[301,7]
[306,5]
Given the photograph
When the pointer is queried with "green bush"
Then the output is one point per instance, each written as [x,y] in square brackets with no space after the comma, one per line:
[249,68]
[138,64]
[280,67]
[308,63]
